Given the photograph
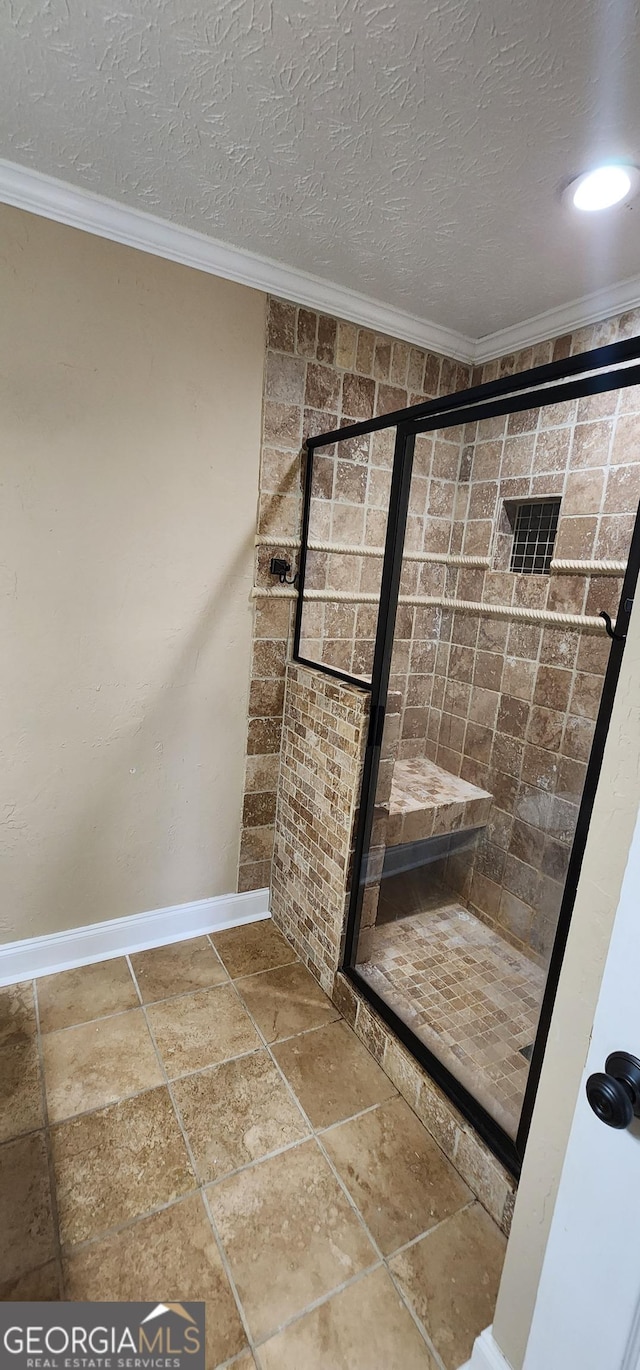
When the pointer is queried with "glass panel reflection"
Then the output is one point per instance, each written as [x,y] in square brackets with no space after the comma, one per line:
[350,488]
[489,726]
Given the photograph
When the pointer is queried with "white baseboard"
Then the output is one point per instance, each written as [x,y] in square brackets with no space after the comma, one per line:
[486,1354]
[56,951]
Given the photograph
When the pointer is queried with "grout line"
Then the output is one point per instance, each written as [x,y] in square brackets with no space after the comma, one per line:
[135,982]
[372,1108]
[229,1273]
[253,974]
[34,1270]
[183,994]
[415,1318]
[99,1108]
[381,1259]
[132,1008]
[428,1232]
[251,1165]
[184,1075]
[188,1074]
[22,1136]
[70,1248]
[55,1217]
[235,1361]
[318,1303]
[221,1251]
[87,1022]
[249,975]
[314,1134]
[304,1032]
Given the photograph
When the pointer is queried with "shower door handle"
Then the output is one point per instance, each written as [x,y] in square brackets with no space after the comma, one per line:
[376,725]
[614,1095]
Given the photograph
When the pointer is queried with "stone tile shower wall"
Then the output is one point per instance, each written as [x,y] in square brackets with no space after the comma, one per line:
[325,728]
[513,706]
[324,733]
[471,726]
[434,524]
[342,635]
[323,737]
[320,373]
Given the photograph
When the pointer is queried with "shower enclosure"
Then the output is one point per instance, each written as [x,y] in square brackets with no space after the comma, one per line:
[471,563]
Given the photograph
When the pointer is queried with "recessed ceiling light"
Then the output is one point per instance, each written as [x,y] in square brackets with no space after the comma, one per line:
[606,186]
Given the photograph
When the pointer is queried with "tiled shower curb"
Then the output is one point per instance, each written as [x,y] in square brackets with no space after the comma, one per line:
[492,1185]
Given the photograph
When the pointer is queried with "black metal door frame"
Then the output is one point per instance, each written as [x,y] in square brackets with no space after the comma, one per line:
[550,385]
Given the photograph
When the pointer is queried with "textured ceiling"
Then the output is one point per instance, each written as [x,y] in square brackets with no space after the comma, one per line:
[408,150]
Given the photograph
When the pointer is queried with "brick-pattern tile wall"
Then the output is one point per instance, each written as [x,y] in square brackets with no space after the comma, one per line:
[319,374]
[323,740]
[325,726]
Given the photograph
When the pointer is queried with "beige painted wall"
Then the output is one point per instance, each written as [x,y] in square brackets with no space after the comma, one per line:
[610,835]
[130,439]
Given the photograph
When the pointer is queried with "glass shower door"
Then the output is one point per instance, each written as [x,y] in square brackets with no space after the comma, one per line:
[509,534]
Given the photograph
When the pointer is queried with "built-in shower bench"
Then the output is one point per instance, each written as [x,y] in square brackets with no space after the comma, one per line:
[427,801]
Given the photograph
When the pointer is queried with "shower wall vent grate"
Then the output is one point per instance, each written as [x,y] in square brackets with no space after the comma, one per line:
[535,525]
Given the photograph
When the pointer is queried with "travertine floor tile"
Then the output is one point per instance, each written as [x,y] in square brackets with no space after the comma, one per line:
[395,1173]
[176,969]
[256,946]
[332,1074]
[117,1164]
[201,1029]
[451,1278]
[235,1113]
[131,1222]
[20,1089]
[37,1286]
[96,1063]
[171,1255]
[77,996]
[289,1233]
[286,1001]
[17,1014]
[365,1327]
[26,1222]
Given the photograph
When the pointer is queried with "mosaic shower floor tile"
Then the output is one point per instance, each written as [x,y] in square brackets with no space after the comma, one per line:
[469,996]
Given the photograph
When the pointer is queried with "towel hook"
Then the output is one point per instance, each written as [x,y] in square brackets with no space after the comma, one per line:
[615,637]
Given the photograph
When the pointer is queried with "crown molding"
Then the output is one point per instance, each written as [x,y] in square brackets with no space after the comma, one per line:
[67,204]
[566,318]
[53,199]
